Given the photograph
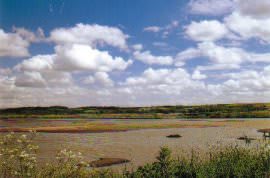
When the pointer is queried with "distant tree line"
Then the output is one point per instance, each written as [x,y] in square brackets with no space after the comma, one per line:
[198,111]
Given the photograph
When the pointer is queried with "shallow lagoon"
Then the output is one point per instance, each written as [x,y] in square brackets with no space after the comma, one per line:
[140,146]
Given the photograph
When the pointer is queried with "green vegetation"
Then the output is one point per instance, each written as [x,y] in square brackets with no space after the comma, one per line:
[220,163]
[256,110]
[18,159]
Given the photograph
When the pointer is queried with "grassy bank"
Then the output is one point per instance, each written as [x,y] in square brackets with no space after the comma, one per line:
[255,110]
[81,127]
[18,159]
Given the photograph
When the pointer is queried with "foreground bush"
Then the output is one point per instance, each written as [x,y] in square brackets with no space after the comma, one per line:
[227,162]
[18,159]
[17,156]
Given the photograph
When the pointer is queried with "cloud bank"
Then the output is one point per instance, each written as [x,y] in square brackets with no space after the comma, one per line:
[92,64]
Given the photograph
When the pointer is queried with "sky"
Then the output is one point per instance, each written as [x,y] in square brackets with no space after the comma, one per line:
[134,53]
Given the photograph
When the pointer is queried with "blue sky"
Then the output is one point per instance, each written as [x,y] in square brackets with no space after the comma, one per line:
[134,53]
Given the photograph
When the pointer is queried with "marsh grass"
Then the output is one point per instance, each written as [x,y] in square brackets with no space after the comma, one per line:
[82,127]
[18,159]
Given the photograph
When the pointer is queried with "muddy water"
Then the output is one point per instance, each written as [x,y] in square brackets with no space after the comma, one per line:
[139,146]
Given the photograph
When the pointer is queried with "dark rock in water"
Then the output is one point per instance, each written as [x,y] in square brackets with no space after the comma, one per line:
[174,136]
[103,162]
[245,138]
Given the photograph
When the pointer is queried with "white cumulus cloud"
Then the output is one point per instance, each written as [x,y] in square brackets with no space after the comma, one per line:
[248,27]
[13,45]
[90,34]
[211,7]
[148,58]
[154,29]
[83,57]
[206,30]
[255,9]
[221,57]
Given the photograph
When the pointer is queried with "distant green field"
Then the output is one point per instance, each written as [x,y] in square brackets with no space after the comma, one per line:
[254,110]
